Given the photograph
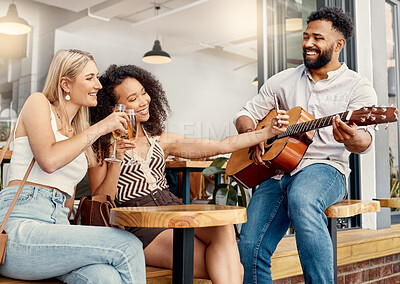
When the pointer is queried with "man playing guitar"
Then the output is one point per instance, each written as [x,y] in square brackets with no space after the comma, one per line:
[322,86]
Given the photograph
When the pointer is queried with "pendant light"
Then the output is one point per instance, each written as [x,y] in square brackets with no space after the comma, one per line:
[255,81]
[12,24]
[156,55]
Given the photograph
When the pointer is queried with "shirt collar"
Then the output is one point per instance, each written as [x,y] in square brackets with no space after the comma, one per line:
[331,74]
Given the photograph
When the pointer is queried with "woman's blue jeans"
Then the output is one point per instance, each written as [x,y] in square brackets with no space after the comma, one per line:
[300,199]
[42,244]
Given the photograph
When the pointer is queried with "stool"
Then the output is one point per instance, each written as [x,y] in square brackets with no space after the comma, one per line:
[389,202]
[344,209]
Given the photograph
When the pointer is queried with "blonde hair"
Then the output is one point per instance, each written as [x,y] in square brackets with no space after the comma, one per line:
[68,63]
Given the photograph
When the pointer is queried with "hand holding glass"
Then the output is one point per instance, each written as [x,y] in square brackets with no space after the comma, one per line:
[117,135]
[132,130]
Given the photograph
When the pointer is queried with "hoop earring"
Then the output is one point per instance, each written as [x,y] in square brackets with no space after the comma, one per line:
[67,97]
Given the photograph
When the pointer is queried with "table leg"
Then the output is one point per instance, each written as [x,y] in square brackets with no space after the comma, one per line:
[333,233]
[182,269]
[186,186]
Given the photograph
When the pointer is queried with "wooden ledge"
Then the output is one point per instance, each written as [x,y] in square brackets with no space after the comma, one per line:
[349,208]
[5,280]
[389,202]
[353,246]
[153,275]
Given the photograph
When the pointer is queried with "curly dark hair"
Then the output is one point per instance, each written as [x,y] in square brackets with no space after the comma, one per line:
[341,21]
[106,99]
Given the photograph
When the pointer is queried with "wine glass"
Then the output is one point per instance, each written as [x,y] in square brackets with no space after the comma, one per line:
[117,134]
[132,130]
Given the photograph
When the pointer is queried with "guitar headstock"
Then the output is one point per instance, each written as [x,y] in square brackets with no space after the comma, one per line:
[373,115]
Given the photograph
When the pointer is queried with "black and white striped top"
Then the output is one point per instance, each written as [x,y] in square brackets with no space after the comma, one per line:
[144,176]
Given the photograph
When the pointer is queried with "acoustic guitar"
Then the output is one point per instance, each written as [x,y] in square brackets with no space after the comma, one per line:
[284,152]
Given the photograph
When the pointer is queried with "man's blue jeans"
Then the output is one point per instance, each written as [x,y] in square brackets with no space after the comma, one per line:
[300,199]
[42,244]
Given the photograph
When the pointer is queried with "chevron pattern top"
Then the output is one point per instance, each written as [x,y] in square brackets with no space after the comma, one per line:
[146,175]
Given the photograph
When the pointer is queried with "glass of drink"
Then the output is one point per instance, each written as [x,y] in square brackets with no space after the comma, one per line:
[132,130]
[116,134]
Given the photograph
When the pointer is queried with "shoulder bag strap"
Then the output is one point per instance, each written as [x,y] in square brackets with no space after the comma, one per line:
[78,211]
[28,171]
[3,153]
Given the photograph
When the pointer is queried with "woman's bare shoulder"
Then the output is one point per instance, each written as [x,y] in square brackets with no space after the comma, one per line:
[35,106]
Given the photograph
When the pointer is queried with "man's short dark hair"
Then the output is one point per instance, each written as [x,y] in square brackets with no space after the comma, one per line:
[340,20]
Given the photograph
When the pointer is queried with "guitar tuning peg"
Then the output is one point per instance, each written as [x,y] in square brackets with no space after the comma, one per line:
[386,125]
[376,127]
[383,109]
[374,109]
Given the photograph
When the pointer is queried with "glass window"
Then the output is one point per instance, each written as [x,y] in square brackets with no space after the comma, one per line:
[286,20]
[393,87]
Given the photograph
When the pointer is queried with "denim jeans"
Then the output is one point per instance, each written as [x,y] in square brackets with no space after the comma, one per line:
[300,199]
[42,244]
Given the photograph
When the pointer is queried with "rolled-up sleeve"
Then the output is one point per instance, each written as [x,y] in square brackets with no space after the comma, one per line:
[364,95]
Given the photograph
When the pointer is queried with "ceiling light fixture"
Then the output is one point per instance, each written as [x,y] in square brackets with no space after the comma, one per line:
[12,24]
[156,55]
[255,81]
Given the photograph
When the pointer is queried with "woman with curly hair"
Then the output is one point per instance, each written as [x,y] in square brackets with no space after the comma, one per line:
[144,183]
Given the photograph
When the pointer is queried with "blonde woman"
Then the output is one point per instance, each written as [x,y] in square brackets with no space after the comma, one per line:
[53,128]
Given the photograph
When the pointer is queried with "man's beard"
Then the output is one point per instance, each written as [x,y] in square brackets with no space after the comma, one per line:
[322,59]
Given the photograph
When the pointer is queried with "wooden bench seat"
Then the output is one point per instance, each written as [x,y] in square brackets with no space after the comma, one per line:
[154,275]
[393,202]
[344,209]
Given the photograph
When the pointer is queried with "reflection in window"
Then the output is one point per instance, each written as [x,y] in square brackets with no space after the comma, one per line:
[392,67]
[287,19]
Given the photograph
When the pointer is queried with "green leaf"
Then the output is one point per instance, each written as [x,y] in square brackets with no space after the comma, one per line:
[219,162]
[218,187]
[243,199]
[226,196]
[211,171]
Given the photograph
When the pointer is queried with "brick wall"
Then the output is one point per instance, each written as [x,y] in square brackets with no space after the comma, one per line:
[383,270]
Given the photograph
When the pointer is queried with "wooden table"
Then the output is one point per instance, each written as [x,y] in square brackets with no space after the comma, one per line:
[186,167]
[182,219]
[6,159]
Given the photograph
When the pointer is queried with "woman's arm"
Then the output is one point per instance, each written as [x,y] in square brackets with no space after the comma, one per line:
[180,146]
[49,154]
[103,179]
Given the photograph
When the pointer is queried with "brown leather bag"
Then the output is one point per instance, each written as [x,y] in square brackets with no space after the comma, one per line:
[3,234]
[95,212]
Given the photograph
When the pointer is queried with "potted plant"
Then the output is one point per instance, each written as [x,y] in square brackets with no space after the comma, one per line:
[226,193]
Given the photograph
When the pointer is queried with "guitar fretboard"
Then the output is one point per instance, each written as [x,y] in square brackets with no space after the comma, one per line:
[311,125]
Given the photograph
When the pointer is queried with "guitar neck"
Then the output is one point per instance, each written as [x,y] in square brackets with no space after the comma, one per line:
[312,124]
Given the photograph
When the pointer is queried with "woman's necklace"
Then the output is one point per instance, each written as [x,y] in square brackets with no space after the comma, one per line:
[69,129]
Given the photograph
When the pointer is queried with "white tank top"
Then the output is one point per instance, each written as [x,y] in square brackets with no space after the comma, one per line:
[64,179]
